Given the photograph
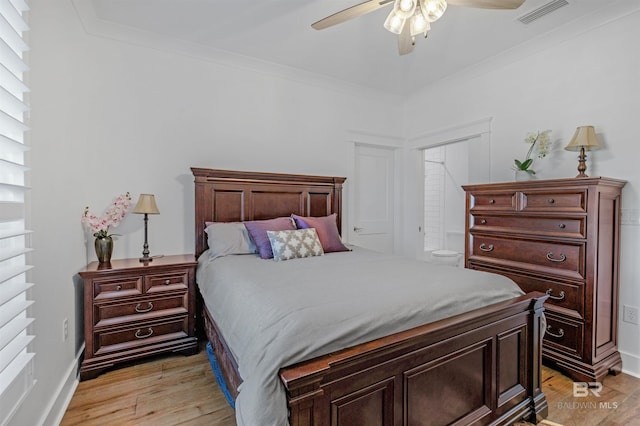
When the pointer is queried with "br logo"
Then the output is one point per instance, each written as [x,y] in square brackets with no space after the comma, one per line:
[582,389]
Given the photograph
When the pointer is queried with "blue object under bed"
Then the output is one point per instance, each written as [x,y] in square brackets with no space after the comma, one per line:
[215,366]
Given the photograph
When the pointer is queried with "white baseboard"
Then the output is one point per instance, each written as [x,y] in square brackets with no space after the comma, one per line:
[630,364]
[59,403]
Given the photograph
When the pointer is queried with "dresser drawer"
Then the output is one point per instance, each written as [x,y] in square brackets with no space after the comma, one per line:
[565,227]
[564,335]
[561,259]
[172,281]
[139,335]
[140,309]
[494,201]
[122,286]
[567,298]
[567,201]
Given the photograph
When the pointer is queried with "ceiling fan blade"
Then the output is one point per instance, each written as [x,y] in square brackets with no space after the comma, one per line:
[488,4]
[406,43]
[350,13]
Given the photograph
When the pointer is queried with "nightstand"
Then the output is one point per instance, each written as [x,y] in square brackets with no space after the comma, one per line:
[134,309]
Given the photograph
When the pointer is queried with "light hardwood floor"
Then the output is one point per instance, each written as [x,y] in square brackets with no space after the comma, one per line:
[179,390]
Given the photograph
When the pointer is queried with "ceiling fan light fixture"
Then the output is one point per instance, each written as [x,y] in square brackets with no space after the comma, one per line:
[419,24]
[433,9]
[404,8]
[394,22]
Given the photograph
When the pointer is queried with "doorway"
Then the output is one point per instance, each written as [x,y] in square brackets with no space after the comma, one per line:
[446,169]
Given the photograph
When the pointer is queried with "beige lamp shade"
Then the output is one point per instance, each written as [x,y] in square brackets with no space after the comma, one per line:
[585,137]
[146,204]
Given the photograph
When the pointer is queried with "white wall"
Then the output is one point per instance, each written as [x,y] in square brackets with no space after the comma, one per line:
[589,79]
[109,117]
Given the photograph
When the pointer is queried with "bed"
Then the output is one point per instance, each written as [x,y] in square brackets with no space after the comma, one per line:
[479,366]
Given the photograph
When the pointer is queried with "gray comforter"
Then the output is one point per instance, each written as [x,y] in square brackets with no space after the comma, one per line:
[273,314]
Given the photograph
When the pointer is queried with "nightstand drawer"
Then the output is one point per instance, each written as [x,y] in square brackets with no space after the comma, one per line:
[564,335]
[140,335]
[564,227]
[122,286]
[561,259]
[553,201]
[108,314]
[166,282]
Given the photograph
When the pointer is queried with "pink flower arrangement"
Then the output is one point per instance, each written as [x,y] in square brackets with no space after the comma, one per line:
[99,226]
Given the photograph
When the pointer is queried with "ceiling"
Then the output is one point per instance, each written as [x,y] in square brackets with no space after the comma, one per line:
[359,51]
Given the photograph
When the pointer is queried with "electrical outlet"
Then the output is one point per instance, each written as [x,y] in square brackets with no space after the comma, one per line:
[65,329]
[630,314]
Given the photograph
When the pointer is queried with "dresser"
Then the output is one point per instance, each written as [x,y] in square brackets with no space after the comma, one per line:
[134,309]
[561,237]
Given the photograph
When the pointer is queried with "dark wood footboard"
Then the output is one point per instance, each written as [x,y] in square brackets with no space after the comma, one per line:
[481,367]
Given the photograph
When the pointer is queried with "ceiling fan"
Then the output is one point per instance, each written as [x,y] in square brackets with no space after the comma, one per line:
[409,18]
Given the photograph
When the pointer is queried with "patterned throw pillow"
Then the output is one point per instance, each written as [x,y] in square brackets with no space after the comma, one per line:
[295,244]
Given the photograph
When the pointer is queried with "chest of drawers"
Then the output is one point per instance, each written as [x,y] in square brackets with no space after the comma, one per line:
[559,236]
[134,309]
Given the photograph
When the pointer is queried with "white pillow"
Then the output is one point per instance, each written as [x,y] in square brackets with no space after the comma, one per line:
[226,238]
[295,244]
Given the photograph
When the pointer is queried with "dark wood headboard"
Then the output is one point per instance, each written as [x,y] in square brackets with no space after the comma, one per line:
[235,196]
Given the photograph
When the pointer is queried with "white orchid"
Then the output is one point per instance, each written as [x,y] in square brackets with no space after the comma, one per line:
[542,141]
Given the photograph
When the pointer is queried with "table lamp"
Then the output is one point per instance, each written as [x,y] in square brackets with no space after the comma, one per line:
[146,205]
[584,139]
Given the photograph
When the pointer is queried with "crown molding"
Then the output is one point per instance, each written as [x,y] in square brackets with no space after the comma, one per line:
[608,13]
[97,27]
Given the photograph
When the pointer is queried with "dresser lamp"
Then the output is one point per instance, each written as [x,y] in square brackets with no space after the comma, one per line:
[146,205]
[584,139]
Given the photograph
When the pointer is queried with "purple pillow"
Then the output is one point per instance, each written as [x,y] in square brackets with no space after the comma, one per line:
[258,231]
[326,228]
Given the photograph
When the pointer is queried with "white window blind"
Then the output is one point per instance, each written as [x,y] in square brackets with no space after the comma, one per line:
[16,371]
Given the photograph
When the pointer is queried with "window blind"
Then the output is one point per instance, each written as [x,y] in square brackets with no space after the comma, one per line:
[16,371]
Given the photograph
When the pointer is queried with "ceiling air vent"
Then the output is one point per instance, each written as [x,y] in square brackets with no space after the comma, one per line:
[542,10]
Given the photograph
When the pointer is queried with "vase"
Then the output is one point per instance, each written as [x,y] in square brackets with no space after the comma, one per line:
[522,175]
[104,248]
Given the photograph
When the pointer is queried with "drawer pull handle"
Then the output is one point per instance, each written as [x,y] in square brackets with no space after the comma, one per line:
[550,257]
[118,287]
[551,201]
[560,334]
[560,297]
[150,307]
[144,336]
[167,282]
[483,247]
[562,226]
[492,201]
[483,221]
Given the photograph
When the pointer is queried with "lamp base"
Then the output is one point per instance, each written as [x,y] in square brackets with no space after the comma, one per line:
[145,248]
[582,164]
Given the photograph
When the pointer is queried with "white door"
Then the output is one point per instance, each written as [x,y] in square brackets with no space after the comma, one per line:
[372,221]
